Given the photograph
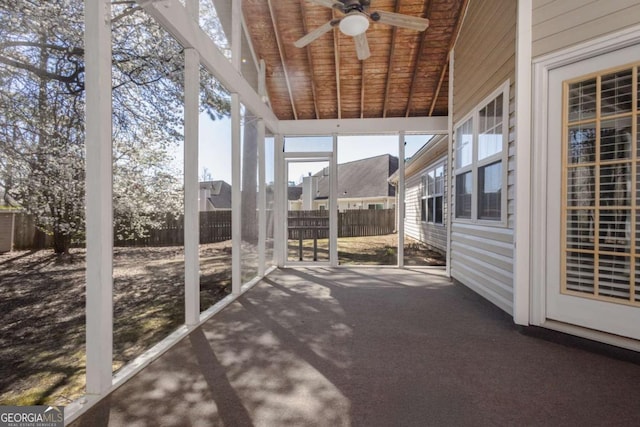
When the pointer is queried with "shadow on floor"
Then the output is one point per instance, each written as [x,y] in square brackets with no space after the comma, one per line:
[370,347]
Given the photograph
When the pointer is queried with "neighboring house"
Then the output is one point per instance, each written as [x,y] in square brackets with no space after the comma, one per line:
[294,197]
[425,218]
[214,195]
[362,184]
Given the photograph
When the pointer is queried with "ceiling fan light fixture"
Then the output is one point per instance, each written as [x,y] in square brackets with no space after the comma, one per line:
[354,24]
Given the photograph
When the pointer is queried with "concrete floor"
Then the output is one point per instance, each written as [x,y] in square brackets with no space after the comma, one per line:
[373,347]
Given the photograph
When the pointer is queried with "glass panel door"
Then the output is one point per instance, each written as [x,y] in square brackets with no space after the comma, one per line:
[593,207]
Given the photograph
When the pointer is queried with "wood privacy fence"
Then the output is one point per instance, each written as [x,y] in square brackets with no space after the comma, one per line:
[351,223]
[215,226]
[366,222]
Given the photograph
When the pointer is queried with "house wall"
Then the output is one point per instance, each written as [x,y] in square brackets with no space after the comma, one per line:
[561,23]
[484,58]
[484,53]
[434,235]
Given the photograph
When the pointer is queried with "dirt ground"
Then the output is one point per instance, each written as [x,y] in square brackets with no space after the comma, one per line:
[42,305]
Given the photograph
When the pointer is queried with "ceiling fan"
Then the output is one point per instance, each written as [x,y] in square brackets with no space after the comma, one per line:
[356,21]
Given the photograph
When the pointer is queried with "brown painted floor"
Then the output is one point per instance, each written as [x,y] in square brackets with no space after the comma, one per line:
[372,347]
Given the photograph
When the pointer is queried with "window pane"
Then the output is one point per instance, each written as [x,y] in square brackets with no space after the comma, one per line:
[581,186]
[430,209]
[579,229]
[579,274]
[615,230]
[615,185]
[439,180]
[615,139]
[582,100]
[464,144]
[490,137]
[489,191]
[613,276]
[582,144]
[432,182]
[616,93]
[438,210]
[464,184]
[308,144]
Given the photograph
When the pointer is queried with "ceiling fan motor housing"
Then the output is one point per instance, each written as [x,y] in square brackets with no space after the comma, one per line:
[351,5]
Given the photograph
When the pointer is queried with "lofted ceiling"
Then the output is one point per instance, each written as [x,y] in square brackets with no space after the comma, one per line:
[405,76]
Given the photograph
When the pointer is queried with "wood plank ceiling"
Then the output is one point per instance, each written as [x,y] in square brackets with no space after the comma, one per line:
[405,76]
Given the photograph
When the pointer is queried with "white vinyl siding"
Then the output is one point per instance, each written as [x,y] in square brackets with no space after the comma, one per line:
[484,58]
[559,24]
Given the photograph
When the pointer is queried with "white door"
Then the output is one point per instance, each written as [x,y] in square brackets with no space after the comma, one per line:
[592,162]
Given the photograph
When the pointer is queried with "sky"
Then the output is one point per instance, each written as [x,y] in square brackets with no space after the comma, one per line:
[215,150]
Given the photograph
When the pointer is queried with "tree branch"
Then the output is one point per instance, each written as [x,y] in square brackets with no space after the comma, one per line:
[73,78]
[69,50]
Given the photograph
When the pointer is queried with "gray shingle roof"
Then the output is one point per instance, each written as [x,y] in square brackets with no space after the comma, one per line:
[361,178]
[220,193]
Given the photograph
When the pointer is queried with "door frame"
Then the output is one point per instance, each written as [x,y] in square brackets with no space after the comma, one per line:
[300,157]
[543,171]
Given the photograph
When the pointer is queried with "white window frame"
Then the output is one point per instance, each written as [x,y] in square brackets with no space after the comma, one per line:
[427,194]
[476,165]
[423,198]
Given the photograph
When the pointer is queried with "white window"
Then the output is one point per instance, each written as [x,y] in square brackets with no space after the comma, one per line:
[423,198]
[480,160]
[431,203]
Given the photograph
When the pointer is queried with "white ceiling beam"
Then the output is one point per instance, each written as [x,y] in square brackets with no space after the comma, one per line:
[173,17]
[391,125]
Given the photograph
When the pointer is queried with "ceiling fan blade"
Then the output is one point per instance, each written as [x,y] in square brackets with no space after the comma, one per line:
[362,46]
[305,40]
[329,3]
[400,20]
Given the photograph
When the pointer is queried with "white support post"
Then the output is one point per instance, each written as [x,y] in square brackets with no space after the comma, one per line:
[280,203]
[191,188]
[262,200]
[522,267]
[262,176]
[99,200]
[449,177]
[333,204]
[236,193]
[401,198]
[236,160]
